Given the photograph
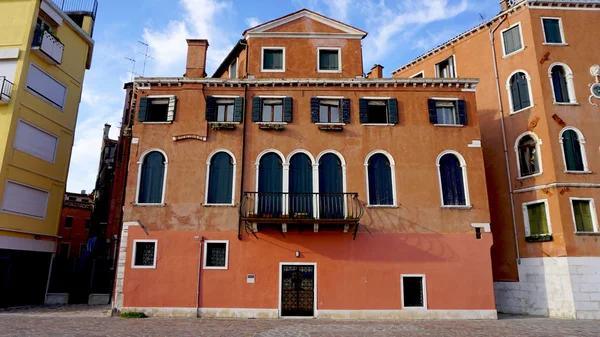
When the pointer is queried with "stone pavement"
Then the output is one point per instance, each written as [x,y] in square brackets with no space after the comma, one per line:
[95,321]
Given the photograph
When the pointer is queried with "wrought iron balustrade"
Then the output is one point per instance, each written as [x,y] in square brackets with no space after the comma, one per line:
[78,6]
[284,207]
[6,87]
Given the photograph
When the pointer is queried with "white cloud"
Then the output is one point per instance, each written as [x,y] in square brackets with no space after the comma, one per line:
[252,22]
[338,9]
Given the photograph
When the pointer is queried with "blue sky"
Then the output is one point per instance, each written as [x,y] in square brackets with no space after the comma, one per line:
[399,31]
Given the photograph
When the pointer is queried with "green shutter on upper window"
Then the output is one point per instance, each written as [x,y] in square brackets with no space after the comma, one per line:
[287,109]
[238,109]
[462,112]
[143,109]
[393,110]
[171,109]
[211,109]
[583,216]
[256,109]
[552,31]
[363,110]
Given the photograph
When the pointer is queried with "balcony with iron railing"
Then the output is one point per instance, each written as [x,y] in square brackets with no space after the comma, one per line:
[47,46]
[6,87]
[86,7]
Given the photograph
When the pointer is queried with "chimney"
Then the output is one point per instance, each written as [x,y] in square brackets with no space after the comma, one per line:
[82,191]
[504,5]
[196,58]
[376,71]
[106,130]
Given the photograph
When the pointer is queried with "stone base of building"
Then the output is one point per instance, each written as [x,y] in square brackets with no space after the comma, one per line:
[562,287]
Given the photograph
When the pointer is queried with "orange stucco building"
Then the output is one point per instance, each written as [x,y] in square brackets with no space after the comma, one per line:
[288,184]
[536,62]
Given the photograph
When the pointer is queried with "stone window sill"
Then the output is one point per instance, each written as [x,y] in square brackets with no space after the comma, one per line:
[587,233]
[530,176]
[578,172]
[539,238]
[457,207]
[449,125]
[149,205]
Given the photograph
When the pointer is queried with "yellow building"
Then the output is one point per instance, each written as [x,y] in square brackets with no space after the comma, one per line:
[45,48]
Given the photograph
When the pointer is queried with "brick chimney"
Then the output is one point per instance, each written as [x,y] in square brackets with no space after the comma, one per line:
[376,71]
[196,58]
[504,5]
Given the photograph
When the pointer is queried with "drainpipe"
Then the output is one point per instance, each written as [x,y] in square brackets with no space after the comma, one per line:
[245,43]
[509,177]
[199,270]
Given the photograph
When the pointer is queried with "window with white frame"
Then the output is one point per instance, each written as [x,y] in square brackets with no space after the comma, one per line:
[511,39]
[561,79]
[537,218]
[553,31]
[220,168]
[453,179]
[414,292]
[157,109]
[528,149]
[225,108]
[329,60]
[572,141]
[381,179]
[584,215]
[446,68]
[216,254]
[144,253]
[447,111]
[273,59]
[378,110]
[519,91]
[152,178]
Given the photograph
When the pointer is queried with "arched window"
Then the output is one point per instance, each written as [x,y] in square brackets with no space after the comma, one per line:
[301,185]
[573,150]
[151,178]
[380,179]
[529,160]
[221,172]
[453,179]
[270,185]
[331,187]
[519,91]
[561,79]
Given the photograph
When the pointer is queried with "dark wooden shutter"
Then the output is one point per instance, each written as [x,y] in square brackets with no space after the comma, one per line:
[393,110]
[314,109]
[287,109]
[346,110]
[462,112]
[238,109]
[256,105]
[211,109]
[523,88]
[143,110]
[363,107]
[514,92]
[432,111]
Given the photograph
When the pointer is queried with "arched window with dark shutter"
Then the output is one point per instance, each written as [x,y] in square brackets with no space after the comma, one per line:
[380,182]
[519,91]
[452,176]
[152,178]
[221,171]
[301,185]
[331,187]
[561,78]
[270,185]
[528,155]
[574,153]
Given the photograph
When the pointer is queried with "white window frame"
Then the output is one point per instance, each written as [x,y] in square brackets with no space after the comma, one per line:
[569,80]
[134,252]
[560,27]
[206,242]
[424,277]
[436,69]
[376,98]
[262,60]
[538,142]
[592,211]
[422,72]
[455,109]
[510,98]
[526,216]
[463,165]
[339,51]
[21,214]
[505,55]
[581,139]
[393,172]
[31,91]
[139,178]
[158,97]
[212,154]
[68,249]
[237,64]
[16,147]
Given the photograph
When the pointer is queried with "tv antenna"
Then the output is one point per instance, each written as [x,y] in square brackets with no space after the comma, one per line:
[132,71]
[146,56]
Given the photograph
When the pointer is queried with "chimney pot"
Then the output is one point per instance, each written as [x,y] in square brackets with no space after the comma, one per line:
[82,191]
[196,58]
[106,130]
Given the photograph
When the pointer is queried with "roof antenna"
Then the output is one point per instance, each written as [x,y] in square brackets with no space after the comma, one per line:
[132,72]
[481,17]
[146,56]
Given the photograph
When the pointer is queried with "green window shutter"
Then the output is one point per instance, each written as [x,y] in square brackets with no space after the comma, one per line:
[171,109]
[544,220]
[211,109]
[462,112]
[393,110]
[552,30]
[143,110]
[256,109]
[346,110]
[238,109]
[432,111]
[583,216]
[363,105]
[534,219]
[287,109]
[314,109]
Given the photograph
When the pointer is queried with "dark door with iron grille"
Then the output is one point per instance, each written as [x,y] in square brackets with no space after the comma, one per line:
[297,290]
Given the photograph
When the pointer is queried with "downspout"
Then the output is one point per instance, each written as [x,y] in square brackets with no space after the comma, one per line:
[199,270]
[245,43]
[504,142]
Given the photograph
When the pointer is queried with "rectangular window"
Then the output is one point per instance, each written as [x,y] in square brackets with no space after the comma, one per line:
[445,69]
[273,59]
[35,141]
[511,38]
[446,112]
[144,253]
[552,30]
[584,215]
[272,110]
[225,110]
[414,292]
[69,222]
[377,112]
[88,222]
[216,254]
[65,248]
[233,69]
[329,60]
[329,111]
[24,200]
[158,108]
[45,86]
[536,218]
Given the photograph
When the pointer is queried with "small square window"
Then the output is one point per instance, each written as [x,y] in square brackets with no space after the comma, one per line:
[329,111]
[157,110]
[584,215]
[144,253]
[445,69]
[446,112]
[329,60]
[512,40]
[272,110]
[414,292]
[216,254]
[377,112]
[552,30]
[225,109]
[536,219]
[69,222]
[273,59]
